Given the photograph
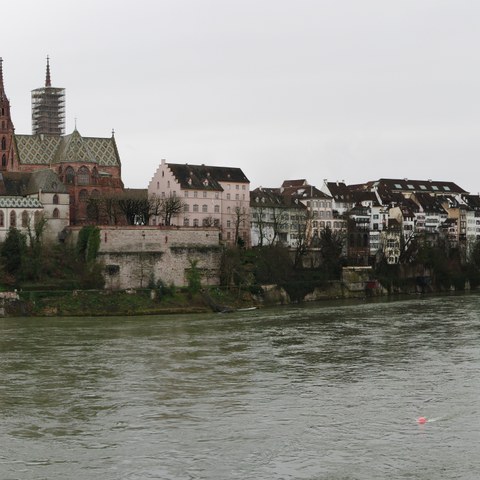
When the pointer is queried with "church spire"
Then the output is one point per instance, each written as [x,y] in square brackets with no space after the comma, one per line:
[7,129]
[2,88]
[48,83]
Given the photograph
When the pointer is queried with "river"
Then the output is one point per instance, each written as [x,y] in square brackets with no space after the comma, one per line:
[321,391]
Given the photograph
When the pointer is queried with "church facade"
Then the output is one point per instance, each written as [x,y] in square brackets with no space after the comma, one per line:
[85,166]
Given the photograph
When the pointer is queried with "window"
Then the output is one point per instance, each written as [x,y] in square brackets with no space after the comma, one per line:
[204,194]
[55,199]
[4,143]
[216,222]
[83,176]
[195,194]
[229,223]
[69,175]
[204,208]
[217,195]
[83,196]
[195,208]
[195,222]
[237,187]
[186,194]
[186,207]
[13,219]
[229,210]
[24,219]
[216,208]
[2,218]
[56,213]
[237,196]
[4,160]
[186,222]
[228,196]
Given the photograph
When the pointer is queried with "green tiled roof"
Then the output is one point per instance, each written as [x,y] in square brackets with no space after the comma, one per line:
[51,149]
[19,202]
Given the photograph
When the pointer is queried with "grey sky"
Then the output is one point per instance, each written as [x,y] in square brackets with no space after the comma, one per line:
[348,90]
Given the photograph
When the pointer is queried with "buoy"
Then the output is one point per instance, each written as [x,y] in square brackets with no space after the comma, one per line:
[421,420]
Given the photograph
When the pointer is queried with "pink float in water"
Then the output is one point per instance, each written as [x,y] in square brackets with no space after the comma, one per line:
[421,420]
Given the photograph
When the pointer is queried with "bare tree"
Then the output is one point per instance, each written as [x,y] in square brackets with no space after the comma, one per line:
[170,207]
[240,216]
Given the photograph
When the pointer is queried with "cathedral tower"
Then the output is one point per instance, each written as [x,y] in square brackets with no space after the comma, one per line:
[6,127]
[48,108]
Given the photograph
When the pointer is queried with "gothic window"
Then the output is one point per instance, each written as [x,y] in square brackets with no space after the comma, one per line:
[83,196]
[69,175]
[4,143]
[24,219]
[55,199]
[2,218]
[4,160]
[13,219]
[83,176]
[56,213]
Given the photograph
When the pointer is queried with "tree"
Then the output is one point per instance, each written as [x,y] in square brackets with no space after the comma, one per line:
[240,216]
[13,252]
[331,248]
[170,207]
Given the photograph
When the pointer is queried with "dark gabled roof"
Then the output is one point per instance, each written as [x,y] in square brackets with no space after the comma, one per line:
[472,201]
[365,197]
[340,191]
[407,185]
[294,183]
[205,177]
[28,183]
[304,192]
[430,203]
[268,197]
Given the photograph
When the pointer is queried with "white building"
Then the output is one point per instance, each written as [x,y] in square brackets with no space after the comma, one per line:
[211,196]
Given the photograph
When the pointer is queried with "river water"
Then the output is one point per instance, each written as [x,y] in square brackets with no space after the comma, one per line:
[322,391]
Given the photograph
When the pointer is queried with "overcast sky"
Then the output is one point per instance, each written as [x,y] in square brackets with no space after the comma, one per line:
[350,90]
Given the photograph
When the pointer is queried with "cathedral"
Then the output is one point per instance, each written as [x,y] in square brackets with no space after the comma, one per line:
[82,167]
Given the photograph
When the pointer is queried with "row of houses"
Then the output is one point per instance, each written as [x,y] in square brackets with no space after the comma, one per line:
[381,216]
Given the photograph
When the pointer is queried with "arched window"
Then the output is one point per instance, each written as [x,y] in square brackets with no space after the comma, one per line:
[13,219]
[195,208]
[24,219]
[69,175]
[195,222]
[2,218]
[4,143]
[204,208]
[83,196]
[83,176]
[4,160]
[37,217]
[56,213]
[186,222]
[55,199]
[94,175]
[217,208]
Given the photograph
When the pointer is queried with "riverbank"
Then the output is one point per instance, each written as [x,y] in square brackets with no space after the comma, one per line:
[176,301]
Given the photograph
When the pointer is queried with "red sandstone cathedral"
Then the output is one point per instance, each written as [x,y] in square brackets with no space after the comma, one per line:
[86,166]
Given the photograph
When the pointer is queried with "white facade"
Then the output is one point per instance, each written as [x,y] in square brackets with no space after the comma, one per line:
[209,198]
